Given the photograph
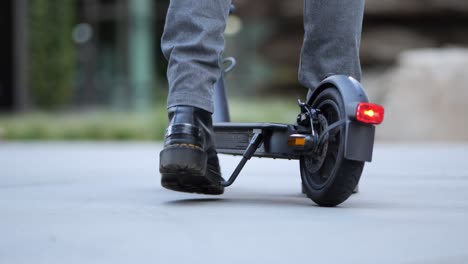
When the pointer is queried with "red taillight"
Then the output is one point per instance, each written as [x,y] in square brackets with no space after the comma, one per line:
[370,113]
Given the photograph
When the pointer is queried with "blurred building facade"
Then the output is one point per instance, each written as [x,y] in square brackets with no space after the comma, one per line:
[7,64]
[117,61]
[118,46]
[390,28]
[111,45]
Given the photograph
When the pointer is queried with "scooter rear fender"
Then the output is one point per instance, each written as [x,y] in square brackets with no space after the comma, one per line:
[359,137]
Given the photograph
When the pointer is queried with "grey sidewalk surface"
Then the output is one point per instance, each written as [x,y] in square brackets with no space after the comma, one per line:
[102,203]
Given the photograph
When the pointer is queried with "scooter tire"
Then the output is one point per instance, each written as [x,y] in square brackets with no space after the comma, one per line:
[332,180]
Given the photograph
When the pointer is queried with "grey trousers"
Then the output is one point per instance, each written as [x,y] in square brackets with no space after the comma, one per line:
[193,44]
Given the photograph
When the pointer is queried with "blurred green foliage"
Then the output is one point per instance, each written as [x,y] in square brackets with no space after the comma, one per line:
[52,52]
[101,125]
[90,125]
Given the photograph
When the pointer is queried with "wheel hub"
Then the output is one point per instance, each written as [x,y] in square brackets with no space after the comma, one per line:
[315,161]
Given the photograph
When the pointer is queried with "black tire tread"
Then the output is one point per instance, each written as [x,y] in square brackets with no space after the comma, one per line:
[342,188]
[347,175]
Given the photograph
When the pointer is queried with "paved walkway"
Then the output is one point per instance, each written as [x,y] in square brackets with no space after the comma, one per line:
[102,203]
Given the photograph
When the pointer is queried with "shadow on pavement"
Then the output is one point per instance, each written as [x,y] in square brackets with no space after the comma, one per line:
[296,201]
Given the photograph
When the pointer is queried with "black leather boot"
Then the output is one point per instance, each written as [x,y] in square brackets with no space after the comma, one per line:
[189,161]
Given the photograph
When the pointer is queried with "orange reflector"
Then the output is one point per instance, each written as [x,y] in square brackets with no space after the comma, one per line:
[296,140]
[370,113]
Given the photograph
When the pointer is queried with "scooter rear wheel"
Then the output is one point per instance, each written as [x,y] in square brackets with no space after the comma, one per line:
[328,178]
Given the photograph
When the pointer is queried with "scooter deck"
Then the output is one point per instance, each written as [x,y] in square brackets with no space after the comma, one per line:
[234,138]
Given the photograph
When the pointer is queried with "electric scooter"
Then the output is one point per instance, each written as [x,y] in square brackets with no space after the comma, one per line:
[332,137]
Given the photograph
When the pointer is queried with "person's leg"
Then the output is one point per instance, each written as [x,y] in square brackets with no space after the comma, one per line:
[331,40]
[193,44]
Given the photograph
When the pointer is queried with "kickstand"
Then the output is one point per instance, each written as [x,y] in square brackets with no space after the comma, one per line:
[256,140]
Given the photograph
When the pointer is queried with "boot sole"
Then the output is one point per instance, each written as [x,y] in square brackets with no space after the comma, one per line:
[183,168]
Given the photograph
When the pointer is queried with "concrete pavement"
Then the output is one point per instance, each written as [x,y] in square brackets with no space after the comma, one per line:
[102,203]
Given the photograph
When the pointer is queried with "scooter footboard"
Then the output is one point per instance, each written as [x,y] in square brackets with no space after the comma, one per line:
[234,138]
